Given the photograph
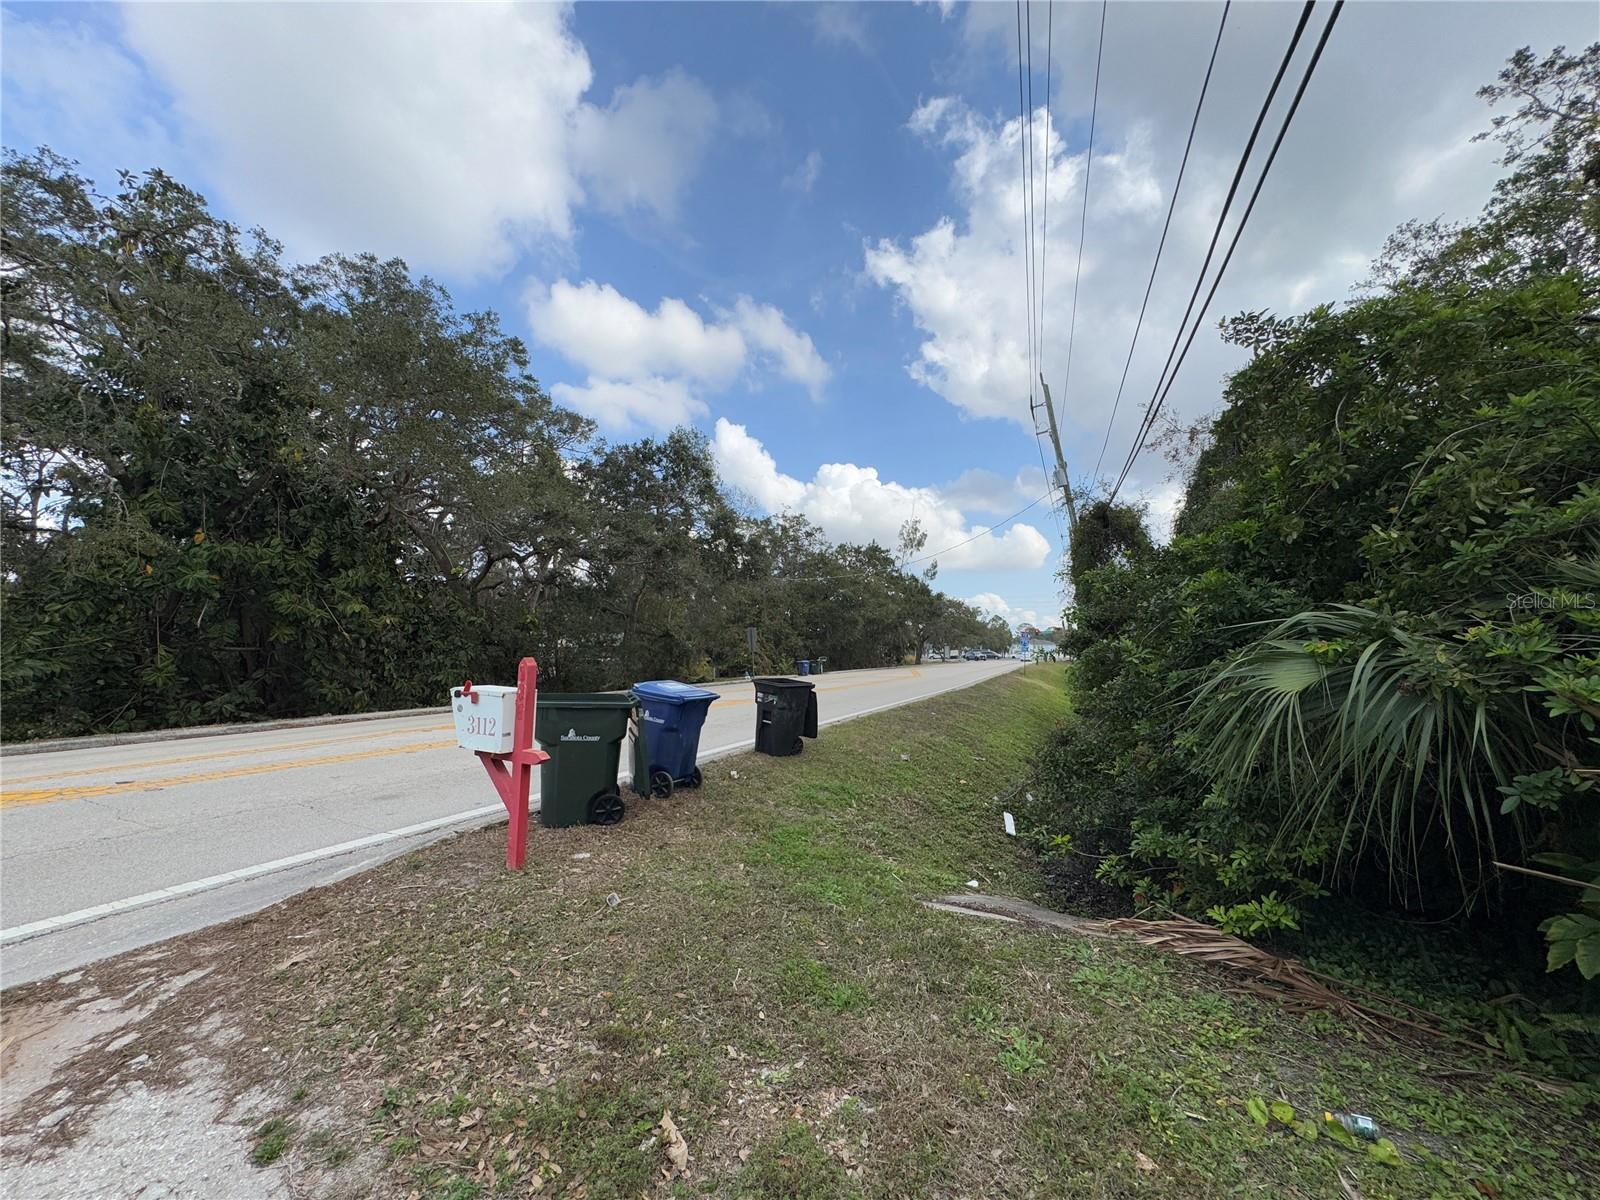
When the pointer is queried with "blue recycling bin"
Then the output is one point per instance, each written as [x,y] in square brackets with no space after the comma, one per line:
[671,714]
[803,666]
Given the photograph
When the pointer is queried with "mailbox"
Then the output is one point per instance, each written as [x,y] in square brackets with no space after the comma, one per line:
[485,717]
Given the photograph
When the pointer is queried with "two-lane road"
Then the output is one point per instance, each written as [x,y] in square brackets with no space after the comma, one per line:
[106,848]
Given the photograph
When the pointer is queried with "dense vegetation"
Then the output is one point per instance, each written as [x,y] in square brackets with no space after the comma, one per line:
[1367,667]
[236,488]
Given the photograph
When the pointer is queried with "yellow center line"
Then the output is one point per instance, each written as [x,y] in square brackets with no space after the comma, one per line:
[17,797]
[216,754]
[13,799]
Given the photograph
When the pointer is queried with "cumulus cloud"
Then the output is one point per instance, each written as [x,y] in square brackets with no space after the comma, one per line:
[649,369]
[440,132]
[991,604]
[961,281]
[768,331]
[605,332]
[651,402]
[852,503]
[455,136]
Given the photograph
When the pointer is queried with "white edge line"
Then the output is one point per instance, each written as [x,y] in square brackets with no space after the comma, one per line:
[82,916]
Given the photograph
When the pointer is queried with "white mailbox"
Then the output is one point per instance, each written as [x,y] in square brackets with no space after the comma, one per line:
[485,718]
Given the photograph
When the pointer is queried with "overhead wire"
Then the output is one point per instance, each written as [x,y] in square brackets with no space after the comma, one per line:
[1161,245]
[1027,212]
[1044,219]
[1272,154]
[1043,237]
[1148,420]
[983,532]
[1083,220]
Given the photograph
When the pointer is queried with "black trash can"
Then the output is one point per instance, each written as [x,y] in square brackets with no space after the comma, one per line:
[786,711]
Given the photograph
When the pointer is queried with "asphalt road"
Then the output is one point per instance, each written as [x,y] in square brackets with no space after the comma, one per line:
[105,848]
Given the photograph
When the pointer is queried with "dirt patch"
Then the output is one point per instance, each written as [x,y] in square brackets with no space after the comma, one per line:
[1072,887]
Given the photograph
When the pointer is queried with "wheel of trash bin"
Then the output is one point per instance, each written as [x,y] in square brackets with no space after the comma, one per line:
[606,809]
[660,784]
[695,778]
[799,745]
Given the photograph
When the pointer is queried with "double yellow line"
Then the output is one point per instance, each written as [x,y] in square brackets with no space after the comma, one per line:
[17,797]
[14,797]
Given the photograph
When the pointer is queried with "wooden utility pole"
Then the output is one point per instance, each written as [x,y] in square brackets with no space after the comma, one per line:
[1061,479]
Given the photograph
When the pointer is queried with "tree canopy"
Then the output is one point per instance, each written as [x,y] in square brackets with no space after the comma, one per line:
[234,487]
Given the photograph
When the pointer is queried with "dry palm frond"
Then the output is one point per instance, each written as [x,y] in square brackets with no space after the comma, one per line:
[1282,979]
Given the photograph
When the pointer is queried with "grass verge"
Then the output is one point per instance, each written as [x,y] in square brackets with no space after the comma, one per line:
[768,976]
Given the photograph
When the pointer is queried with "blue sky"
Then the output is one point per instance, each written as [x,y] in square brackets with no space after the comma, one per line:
[798,227]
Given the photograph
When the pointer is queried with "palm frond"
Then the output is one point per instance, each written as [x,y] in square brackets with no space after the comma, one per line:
[1384,731]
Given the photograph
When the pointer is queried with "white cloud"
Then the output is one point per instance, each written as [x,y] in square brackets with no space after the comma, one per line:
[642,150]
[67,88]
[769,332]
[744,463]
[962,281]
[649,368]
[853,504]
[652,402]
[455,136]
[991,604]
[606,333]
[437,132]
[804,177]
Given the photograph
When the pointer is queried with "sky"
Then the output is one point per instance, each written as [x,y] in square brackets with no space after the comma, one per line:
[800,228]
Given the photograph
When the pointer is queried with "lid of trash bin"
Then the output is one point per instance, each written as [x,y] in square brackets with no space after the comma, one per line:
[671,690]
[778,681]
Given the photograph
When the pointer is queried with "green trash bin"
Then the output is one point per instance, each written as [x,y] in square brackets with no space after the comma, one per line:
[583,733]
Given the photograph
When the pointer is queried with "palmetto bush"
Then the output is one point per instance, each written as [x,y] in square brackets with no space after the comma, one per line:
[1408,747]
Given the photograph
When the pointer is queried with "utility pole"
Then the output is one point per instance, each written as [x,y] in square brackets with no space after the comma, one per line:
[1060,478]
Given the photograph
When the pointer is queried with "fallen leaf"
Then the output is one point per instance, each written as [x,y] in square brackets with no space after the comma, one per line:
[677,1149]
[1143,1161]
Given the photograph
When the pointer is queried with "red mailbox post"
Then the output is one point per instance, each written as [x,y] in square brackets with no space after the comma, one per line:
[512,772]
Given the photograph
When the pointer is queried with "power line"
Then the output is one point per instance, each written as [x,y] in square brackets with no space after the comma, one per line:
[1044,220]
[1027,216]
[1176,188]
[1255,194]
[1277,143]
[1148,419]
[1083,220]
[981,533]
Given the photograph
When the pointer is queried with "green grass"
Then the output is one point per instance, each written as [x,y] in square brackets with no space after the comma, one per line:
[272,1139]
[771,978]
